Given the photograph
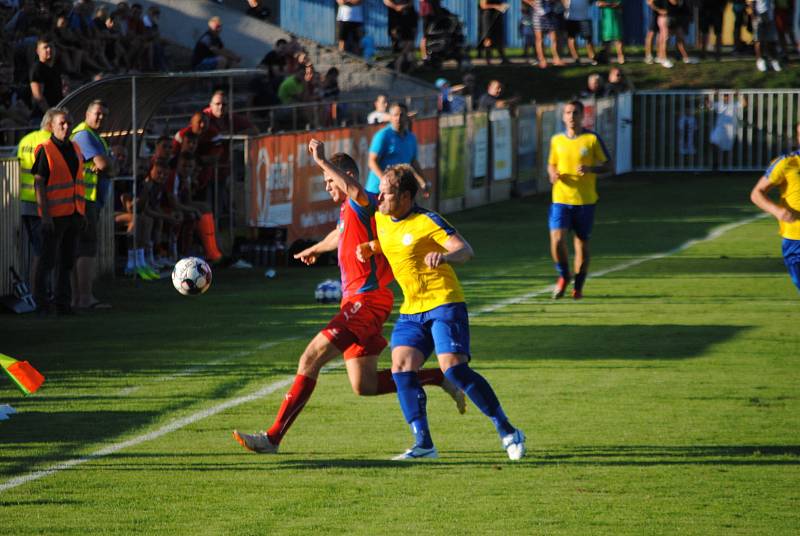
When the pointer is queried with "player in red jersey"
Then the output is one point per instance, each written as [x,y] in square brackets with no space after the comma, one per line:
[356,331]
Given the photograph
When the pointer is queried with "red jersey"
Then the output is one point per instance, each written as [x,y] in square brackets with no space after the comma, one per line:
[356,226]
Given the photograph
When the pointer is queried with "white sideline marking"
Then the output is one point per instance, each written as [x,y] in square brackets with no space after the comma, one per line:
[713,234]
[271,388]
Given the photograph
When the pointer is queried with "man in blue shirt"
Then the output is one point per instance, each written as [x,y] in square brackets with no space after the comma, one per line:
[394,144]
[98,168]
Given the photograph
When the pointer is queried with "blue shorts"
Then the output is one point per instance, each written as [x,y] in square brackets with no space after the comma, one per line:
[444,328]
[791,258]
[577,218]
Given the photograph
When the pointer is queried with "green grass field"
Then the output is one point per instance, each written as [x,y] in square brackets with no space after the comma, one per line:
[666,402]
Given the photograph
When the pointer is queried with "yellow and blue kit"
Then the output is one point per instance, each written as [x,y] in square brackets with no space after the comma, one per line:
[404,243]
[567,154]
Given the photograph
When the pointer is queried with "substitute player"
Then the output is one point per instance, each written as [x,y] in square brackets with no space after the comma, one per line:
[784,172]
[421,246]
[576,157]
[367,301]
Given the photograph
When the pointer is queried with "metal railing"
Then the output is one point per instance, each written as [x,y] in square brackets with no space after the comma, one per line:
[10,224]
[713,129]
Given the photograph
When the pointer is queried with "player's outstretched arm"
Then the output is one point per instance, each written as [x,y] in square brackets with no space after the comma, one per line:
[310,255]
[760,199]
[345,182]
[458,251]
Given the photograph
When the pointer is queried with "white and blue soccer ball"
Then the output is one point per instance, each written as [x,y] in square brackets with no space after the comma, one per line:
[191,276]
[329,291]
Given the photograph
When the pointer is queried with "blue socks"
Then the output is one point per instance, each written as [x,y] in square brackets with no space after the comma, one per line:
[482,395]
[413,402]
[563,270]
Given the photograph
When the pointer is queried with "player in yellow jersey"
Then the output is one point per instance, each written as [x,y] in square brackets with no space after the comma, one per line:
[784,172]
[576,157]
[421,246]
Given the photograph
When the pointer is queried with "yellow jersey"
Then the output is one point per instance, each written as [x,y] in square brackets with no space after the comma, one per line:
[405,243]
[567,154]
[784,172]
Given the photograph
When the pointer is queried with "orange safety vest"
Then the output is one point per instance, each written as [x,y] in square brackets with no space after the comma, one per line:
[65,193]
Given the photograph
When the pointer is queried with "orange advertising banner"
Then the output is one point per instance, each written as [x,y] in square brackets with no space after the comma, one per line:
[286,188]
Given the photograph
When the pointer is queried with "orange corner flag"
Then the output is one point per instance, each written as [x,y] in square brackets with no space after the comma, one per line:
[27,378]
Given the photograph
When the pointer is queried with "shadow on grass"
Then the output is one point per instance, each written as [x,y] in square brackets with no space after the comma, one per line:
[632,341]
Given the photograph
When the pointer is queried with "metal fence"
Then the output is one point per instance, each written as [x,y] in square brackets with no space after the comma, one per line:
[10,226]
[713,130]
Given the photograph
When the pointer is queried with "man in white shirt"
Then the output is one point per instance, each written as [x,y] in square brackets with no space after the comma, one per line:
[350,25]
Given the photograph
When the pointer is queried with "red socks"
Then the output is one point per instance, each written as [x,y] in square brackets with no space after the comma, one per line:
[292,405]
[208,236]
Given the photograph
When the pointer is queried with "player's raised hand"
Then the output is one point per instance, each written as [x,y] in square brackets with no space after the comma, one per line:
[434,259]
[364,251]
[308,256]
[317,149]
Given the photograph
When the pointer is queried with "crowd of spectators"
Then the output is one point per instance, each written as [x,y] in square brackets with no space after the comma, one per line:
[563,21]
[53,46]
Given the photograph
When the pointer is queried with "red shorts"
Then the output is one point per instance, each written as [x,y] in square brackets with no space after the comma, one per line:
[357,330]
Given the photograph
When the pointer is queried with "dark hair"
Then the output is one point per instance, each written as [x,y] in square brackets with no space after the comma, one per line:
[281,42]
[577,104]
[400,105]
[346,163]
[406,180]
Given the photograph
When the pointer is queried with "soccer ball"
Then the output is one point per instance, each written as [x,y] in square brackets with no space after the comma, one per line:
[329,291]
[191,275]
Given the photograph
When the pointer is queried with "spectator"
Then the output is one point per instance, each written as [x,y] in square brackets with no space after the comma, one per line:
[196,215]
[711,12]
[741,19]
[58,173]
[291,89]
[208,150]
[526,27]
[217,115]
[493,97]
[258,10]
[330,85]
[765,35]
[468,89]
[428,11]
[45,79]
[380,113]
[594,87]
[97,168]
[611,27]
[29,210]
[274,61]
[444,95]
[150,204]
[493,23]
[350,25]
[394,144]
[210,52]
[402,26]
[545,22]
[671,24]
[155,57]
[657,7]
[578,23]
[783,24]
[617,83]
